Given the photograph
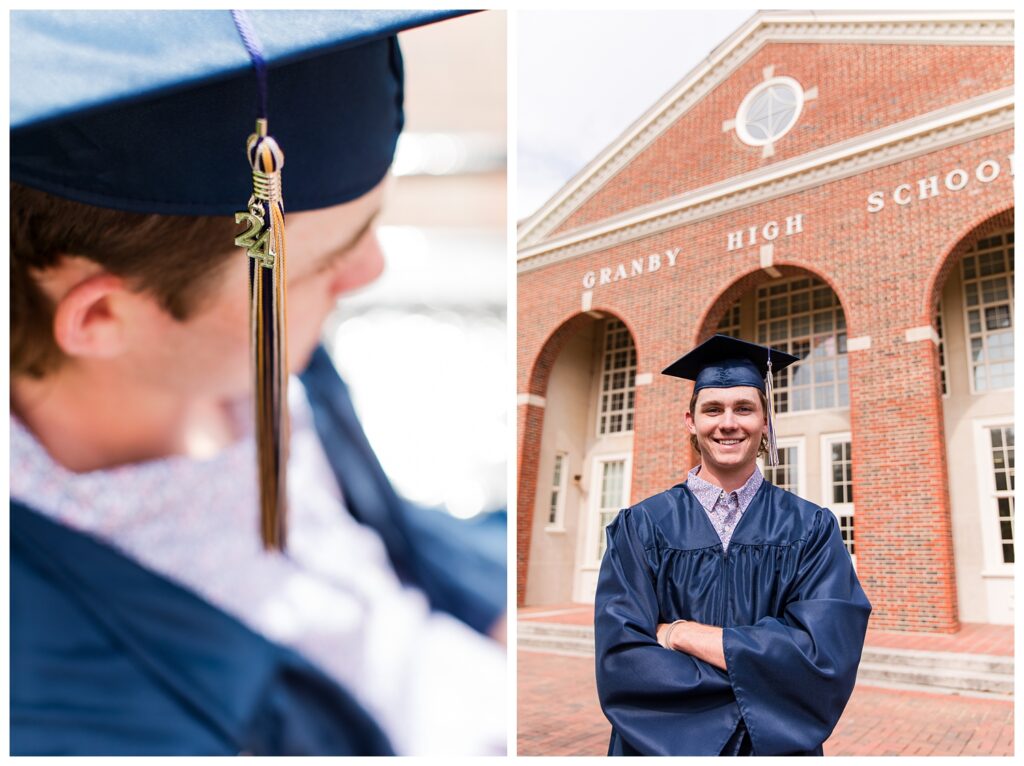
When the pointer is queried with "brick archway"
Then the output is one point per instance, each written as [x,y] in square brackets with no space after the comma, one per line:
[530,420]
[959,244]
[751,281]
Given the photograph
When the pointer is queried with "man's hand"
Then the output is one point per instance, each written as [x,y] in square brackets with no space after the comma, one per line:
[701,641]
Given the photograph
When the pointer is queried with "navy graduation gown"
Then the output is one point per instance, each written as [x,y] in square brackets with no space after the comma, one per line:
[109,658]
[460,565]
[792,611]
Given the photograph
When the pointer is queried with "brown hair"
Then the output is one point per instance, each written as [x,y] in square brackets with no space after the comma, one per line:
[171,257]
[761,450]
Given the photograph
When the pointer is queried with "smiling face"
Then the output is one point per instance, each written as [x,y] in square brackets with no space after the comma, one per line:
[728,424]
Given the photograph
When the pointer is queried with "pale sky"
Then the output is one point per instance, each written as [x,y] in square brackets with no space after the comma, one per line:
[585,76]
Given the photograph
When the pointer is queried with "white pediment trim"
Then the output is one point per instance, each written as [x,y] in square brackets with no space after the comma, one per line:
[903,27]
[982,116]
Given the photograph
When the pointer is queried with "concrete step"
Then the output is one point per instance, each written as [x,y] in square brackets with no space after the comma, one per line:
[937,672]
[555,629]
[979,663]
[577,640]
[935,679]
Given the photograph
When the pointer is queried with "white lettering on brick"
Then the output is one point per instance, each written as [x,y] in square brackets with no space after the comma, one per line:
[987,171]
[635,267]
[961,176]
[769,232]
[928,187]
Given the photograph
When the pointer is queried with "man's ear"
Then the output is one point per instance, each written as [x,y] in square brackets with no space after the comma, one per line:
[690,425]
[87,321]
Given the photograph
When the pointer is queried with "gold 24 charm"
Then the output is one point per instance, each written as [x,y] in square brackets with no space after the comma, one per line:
[256,239]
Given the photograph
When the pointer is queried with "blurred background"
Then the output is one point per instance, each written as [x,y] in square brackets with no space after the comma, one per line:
[423,348]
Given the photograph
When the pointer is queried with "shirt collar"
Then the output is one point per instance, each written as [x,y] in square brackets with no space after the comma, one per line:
[707,494]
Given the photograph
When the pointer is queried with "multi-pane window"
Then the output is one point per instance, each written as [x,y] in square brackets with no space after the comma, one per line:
[730,324]
[942,351]
[842,473]
[557,490]
[613,477]
[988,306]
[618,380]
[846,530]
[1001,440]
[840,490]
[784,475]
[803,317]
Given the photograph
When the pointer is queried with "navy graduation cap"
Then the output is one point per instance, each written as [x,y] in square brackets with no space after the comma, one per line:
[149,112]
[725,362]
[142,110]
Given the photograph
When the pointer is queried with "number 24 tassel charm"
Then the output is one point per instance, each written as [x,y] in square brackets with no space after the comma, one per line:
[264,242]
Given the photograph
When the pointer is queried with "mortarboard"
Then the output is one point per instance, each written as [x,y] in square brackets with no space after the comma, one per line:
[148,111]
[725,362]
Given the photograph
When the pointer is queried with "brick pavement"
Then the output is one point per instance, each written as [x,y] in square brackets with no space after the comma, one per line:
[559,715]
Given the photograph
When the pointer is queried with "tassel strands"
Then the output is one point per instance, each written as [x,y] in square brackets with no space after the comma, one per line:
[773,447]
[264,241]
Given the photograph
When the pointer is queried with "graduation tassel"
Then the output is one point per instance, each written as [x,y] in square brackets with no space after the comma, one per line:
[264,242]
[773,448]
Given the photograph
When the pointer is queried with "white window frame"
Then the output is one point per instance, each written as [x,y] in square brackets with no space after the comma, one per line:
[839,509]
[836,332]
[729,327]
[988,515]
[626,411]
[558,525]
[594,528]
[940,331]
[965,312]
[741,113]
[801,463]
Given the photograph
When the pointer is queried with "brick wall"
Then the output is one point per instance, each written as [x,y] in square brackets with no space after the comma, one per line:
[861,88]
[887,269]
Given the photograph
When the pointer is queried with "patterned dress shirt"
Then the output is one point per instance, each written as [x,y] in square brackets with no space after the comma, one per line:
[334,597]
[724,508]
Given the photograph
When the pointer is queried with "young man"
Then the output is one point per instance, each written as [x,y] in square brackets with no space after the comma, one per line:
[729,620]
[147,614]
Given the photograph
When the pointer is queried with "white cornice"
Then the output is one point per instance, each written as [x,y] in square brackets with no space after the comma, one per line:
[981,116]
[927,27]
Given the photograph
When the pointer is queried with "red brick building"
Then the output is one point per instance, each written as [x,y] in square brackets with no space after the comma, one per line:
[838,185]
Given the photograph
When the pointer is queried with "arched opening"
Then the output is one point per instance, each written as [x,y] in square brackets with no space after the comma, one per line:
[972,312]
[799,313]
[582,459]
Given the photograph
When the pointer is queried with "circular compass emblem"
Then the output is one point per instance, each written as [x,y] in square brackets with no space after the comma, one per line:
[769,111]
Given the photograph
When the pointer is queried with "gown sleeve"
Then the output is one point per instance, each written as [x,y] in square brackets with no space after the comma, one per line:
[794,674]
[659,701]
